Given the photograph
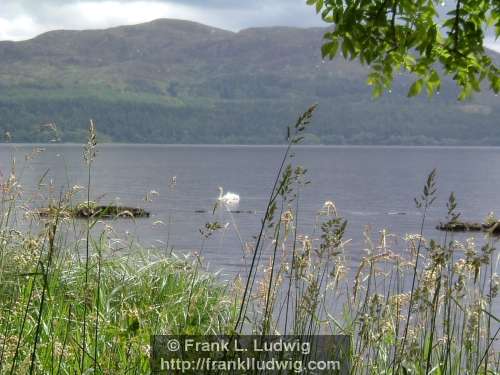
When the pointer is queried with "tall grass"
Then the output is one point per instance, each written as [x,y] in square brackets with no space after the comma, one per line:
[66,314]
[413,305]
[424,307]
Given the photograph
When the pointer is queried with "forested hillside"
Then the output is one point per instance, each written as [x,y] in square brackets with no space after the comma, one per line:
[171,81]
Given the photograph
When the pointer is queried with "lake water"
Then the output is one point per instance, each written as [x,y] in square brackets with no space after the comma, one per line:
[370,186]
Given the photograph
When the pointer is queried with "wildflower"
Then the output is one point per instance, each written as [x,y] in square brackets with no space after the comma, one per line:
[90,148]
[77,188]
[399,299]
[490,219]
[495,284]
[387,327]
[329,209]
[287,217]
[33,153]
[460,267]
[210,228]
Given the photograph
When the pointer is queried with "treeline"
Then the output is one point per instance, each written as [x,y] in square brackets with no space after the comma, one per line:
[339,120]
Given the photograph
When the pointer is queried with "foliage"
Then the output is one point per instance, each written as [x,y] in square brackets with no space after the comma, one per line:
[140,295]
[395,35]
[341,118]
[233,88]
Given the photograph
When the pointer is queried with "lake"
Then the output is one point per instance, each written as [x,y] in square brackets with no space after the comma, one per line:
[370,186]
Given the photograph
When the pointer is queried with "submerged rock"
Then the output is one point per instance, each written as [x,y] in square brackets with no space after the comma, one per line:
[492,227]
[110,212]
[461,226]
[95,211]
[458,226]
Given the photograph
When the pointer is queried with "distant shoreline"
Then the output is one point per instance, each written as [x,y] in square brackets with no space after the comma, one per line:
[224,145]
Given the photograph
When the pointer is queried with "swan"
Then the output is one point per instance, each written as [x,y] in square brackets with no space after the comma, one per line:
[228,198]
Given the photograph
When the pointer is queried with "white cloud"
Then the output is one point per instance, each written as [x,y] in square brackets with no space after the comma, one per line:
[25,20]
[96,14]
[87,15]
[20,27]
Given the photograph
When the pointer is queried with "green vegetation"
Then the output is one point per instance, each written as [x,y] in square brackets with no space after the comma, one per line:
[417,307]
[64,313]
[179,82]
[69,308]
[135,295]
[411,306]
[410,35]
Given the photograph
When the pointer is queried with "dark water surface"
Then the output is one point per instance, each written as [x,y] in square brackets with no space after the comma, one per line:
[370,186]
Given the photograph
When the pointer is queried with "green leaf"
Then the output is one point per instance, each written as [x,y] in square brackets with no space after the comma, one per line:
[345,48]
[373,79]
[421,42]
[433,83]
[434,78]
[416,88]
[348,48]
[330,49]
[377,91]
[319,5]
[465,93]
[409,60]
[495,84]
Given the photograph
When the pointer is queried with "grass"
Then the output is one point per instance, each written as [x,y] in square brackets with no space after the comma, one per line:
[416,306]
[413,305]
[80,308]
[139,295]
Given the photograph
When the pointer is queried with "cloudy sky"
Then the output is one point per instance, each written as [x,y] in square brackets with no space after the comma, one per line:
[24,19]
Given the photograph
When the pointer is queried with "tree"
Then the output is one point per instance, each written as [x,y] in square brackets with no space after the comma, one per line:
[409,35]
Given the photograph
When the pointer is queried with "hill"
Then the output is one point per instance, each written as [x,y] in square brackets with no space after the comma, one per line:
[172,81]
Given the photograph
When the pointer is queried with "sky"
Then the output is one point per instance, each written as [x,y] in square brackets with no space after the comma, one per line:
[25,19]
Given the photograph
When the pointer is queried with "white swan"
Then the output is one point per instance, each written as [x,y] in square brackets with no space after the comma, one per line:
[228,198]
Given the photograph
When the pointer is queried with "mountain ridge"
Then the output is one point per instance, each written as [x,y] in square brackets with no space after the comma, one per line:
[175,81]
